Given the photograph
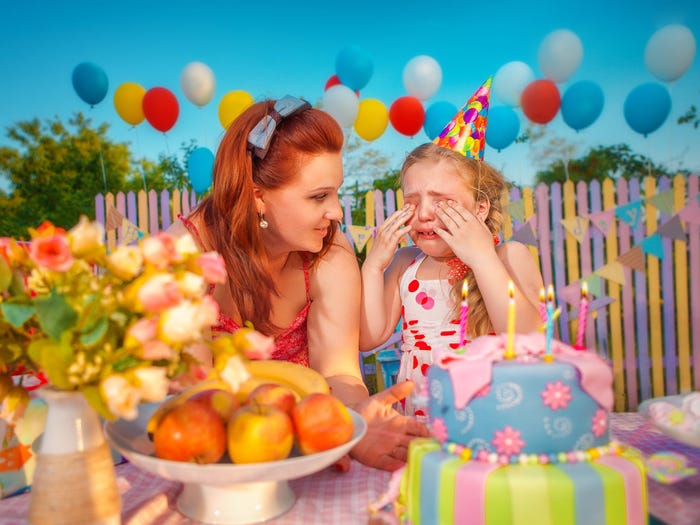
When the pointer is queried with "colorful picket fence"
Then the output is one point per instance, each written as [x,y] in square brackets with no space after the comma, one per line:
[635,243]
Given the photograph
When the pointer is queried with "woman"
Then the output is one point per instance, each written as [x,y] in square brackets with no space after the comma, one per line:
[273,215]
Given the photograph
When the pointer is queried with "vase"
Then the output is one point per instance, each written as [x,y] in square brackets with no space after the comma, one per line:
[74,482]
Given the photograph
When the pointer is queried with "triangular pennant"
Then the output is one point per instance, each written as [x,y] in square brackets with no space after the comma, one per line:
[599,303]
[653,245]
[130,232]
[633,259]
[613,272]
[663,201]
[525,235]
[517,210]
[360,235]
[595,284]
[690,213]
[602,220]
[673,229]
[630,213]
[532,221]
[571,293]
[114,218]
[578,226]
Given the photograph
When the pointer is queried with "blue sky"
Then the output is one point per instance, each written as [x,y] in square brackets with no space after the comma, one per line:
[272,48]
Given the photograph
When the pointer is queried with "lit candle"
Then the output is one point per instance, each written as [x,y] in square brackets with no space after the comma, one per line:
[582,315]
[549,330]
[464,315]
[510,348]
[543,308]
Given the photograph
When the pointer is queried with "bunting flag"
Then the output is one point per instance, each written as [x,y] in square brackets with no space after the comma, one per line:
[360,235]
[633,259]
[613,272]
[653,245]
[571,293]
[532,221]
[690,213]
[599,302]
[673,229]
[595,284]
[517,210]
[602,220]
[114,218]
[630,213]
[525,235]
[578,226]
[663,201]
[130,232]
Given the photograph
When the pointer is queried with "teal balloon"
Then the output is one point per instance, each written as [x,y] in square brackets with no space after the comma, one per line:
[354,67]
[582,104]
[503,127]
[200,168]
[646,107]
[437,116]
[90,82]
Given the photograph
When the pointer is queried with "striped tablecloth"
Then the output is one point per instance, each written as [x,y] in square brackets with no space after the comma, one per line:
[342,498]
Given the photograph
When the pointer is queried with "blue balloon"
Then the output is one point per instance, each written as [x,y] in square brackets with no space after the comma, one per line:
[90,82]
[354,67]
[437,116]
[200,167]
[503,127]
[582,104]
[646,107]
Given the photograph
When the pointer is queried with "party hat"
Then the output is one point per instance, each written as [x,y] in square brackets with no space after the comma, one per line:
[466,132]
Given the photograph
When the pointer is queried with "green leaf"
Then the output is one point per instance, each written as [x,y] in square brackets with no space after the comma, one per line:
[5,274]
[125,363]
[92,394]
[17,313]
[95,333]
[53,358]
[55,315]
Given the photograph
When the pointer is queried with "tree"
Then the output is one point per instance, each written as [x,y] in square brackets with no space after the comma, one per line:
[690,117]
[55,171]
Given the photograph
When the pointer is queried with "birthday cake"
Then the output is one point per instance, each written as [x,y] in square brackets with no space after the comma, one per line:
[520,435]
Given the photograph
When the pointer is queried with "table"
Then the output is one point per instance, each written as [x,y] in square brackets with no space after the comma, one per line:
[342,498]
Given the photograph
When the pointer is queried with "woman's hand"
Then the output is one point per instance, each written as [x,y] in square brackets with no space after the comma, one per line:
[464,232]
[385,445]
[387,238]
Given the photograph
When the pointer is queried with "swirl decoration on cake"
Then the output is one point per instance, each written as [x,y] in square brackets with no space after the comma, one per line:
[558,427]
[508,395]
[569,375]
[436,391]
[584,442]
[465,415]
[477,444]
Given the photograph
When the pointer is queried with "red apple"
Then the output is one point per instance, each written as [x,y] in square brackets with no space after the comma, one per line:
[258,433]
[321,422]
[192,432]
[272,394]
[224,402]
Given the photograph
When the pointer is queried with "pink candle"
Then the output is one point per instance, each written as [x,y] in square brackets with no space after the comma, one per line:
[464,315]
[582,315]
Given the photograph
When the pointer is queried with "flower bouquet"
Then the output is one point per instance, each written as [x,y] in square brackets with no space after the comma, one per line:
[117,327]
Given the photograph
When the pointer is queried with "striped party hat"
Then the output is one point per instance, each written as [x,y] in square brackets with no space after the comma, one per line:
[466,132]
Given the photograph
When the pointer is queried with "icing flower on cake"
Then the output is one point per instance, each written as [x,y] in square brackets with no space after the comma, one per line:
[599,423]
[507,441]
[439,429]
[557,395]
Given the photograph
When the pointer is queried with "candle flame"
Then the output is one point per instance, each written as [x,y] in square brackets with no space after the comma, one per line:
[542,294]
[550,293]
[465,290]
[584,290]
[511,289]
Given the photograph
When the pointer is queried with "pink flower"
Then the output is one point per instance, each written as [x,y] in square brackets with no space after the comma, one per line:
[213,267]
[599,423]
[159,250]
[439,429]
[557,395]
[52,252]
[142,331]
[159,293]
[507,441]
[258,346]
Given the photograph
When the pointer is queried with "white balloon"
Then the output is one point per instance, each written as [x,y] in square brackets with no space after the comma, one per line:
[560,55]
[198,84]
[341,103]
[669,52]
[422,76]
[510,80]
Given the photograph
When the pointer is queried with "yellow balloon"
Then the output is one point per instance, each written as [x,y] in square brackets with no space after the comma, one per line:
[128,101]
[233,104]
[372,119]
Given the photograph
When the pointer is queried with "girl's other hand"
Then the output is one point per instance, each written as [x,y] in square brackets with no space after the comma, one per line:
[464,232]
[387,238]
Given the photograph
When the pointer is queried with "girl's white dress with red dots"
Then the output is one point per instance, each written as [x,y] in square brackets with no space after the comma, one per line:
[430,322]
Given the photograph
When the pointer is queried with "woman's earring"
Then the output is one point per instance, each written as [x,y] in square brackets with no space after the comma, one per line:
[263,223]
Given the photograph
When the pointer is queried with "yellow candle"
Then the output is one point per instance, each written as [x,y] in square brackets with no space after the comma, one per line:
[510,348]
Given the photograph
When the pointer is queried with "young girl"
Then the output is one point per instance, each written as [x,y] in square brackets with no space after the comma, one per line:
[453,215]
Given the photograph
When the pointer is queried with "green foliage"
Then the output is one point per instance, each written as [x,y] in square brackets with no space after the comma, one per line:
[690,117]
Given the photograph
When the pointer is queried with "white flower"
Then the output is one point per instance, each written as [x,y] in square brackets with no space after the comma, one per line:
[154,383]
[180,324]
[235,373]
[185,245]
[121,396]
[125,262]
[192,285]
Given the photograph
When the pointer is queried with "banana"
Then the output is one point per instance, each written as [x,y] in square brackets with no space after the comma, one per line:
[178,399]
[300,379]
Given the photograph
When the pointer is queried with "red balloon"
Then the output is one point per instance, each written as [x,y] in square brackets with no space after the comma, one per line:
[335,81]
[407,115]
[540,101]
[160,108]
